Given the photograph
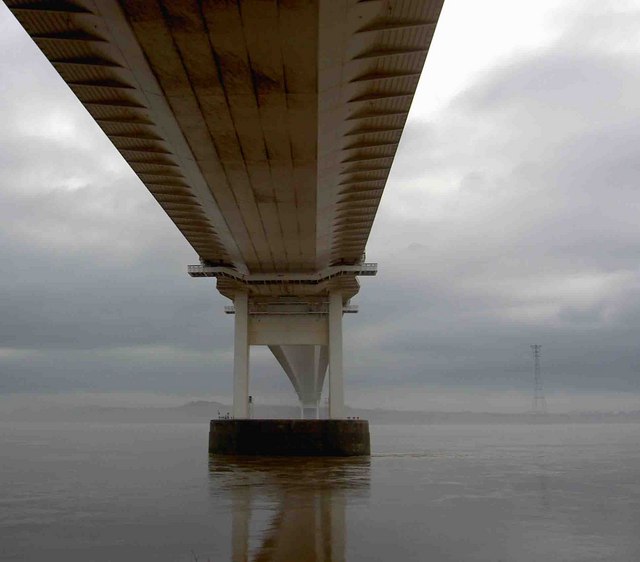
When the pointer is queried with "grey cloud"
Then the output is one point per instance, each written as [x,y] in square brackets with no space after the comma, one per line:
[535,241]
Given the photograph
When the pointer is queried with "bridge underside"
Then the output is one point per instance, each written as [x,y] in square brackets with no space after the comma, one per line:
[266,129]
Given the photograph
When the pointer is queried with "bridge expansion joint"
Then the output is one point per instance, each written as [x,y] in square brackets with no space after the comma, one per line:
[363,269]
[291,307]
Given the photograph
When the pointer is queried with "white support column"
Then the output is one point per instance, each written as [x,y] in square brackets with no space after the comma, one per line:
[241,357]
[336,385]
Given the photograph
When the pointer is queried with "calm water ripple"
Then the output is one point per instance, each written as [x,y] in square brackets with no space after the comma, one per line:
[97,492]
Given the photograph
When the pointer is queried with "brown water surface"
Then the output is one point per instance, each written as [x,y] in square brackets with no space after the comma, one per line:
[525,493]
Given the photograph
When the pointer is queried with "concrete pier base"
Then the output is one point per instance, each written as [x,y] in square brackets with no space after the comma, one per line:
[325,438]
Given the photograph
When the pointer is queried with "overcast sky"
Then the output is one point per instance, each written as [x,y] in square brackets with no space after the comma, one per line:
[511,217]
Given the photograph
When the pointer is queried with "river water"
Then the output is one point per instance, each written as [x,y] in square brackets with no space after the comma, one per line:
[97,492]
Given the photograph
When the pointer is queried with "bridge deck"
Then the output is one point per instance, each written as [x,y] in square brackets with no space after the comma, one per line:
[266,130]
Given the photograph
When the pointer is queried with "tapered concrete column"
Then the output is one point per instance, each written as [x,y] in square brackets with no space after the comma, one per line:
[241,357]
[336,385]
[309,411]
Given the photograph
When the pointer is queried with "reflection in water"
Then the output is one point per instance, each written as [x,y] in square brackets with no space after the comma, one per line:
[540,462]
[544,493]
[306,498]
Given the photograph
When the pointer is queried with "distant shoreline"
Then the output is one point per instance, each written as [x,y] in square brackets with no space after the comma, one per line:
[202,411]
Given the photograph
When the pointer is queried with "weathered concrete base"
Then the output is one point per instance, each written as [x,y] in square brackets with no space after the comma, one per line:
[326,438]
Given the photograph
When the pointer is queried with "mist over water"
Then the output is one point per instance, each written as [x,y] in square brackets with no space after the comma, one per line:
[89,491]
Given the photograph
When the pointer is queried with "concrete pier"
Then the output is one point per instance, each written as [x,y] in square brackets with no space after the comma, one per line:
[328,438]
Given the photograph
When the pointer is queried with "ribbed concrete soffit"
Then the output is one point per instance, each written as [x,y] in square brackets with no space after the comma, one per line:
[371,54]
[264,129]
